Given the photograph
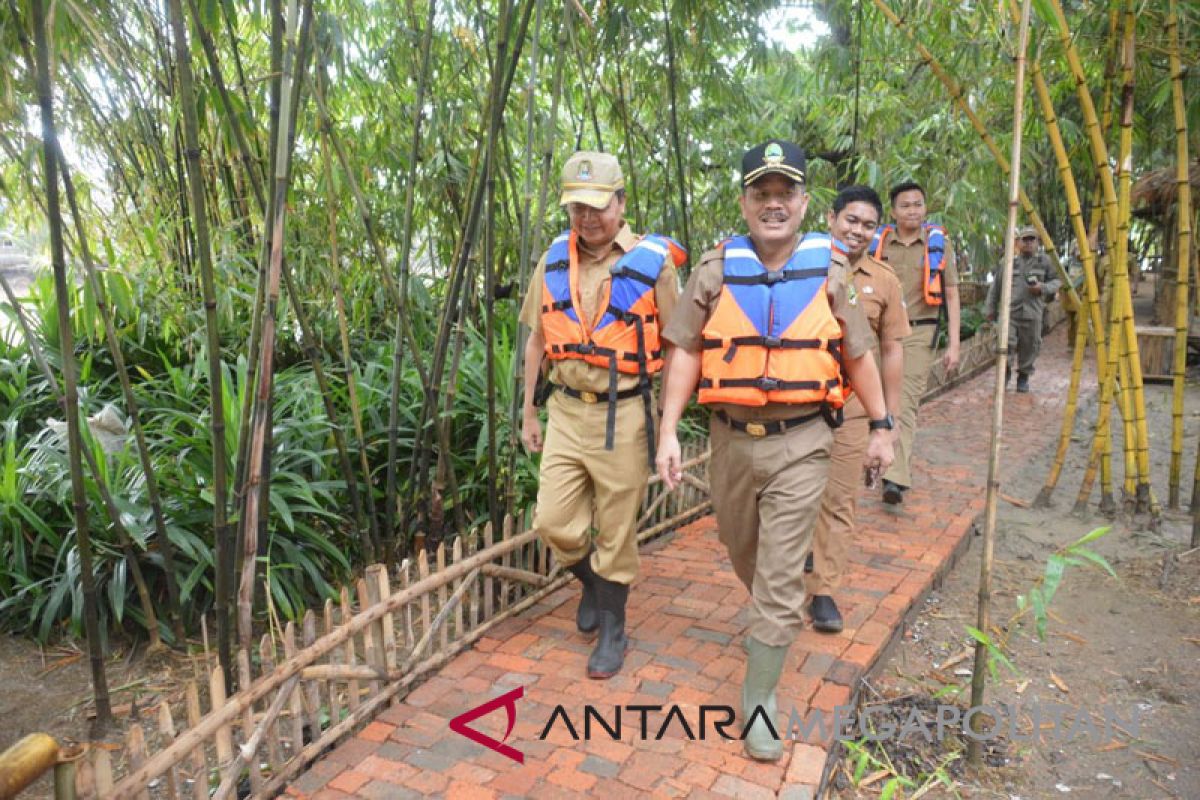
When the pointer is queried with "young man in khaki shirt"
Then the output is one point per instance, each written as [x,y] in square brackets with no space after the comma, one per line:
[906,248]
[770,458]
[596,449]
[852,221]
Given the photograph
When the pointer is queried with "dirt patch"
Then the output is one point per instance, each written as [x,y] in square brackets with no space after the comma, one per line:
[48,690]
[1122,652]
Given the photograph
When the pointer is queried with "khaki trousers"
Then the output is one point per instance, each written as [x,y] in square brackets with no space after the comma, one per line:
[918,358]
[582,486]
[766,493]
[1024,343]
[835,522]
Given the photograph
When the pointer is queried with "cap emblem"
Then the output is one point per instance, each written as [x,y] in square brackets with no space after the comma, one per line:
[773,155]
[585,171]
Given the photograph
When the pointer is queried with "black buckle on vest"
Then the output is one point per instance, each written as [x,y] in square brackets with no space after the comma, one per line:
[772,341]
[774,276]
[585,349]
[768,384]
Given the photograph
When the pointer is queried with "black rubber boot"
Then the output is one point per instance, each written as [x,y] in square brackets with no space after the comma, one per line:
[825,615]
[586,618]
[893,493]
[609,653]
[1022,382]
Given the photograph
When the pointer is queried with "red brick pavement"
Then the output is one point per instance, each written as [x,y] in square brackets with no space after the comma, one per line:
[686,617]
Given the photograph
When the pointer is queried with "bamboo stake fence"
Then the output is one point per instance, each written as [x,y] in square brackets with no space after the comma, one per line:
[347,661]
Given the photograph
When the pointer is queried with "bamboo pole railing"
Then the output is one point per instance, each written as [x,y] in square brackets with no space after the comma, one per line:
[382,637]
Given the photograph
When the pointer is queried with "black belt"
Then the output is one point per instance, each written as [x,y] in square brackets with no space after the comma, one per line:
[915,322]
[760,429]
[595,397]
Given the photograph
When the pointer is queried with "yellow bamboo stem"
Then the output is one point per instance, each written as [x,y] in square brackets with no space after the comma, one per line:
[1183,216]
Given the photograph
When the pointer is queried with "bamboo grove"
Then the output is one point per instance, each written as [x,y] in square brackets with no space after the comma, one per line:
[296,235]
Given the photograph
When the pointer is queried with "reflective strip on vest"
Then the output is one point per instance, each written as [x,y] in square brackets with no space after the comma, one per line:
[772,336]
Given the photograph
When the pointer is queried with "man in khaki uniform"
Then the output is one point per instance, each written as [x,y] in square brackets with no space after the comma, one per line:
[770,457]
[905,247]
[595,457]
[852,221]
[1033,280]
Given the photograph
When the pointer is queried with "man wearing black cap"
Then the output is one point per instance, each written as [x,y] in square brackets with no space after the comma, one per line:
[768,330]
[1033,281]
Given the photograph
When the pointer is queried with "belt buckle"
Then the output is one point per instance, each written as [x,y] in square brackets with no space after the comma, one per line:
[589,397]
[756,429]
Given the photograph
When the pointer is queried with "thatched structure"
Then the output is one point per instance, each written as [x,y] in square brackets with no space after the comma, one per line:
[1155,193]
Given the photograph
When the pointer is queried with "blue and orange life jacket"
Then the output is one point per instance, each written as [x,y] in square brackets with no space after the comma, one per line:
[935,252]
[627,334]
[772,337]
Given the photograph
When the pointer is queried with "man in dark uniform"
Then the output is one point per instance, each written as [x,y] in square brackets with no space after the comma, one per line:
[1033,280]
[765,327]
[583,299]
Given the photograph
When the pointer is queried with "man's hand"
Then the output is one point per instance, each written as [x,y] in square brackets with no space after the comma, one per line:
[670,459]
[1035,289]
[950,360]
[531,431]
[879,451]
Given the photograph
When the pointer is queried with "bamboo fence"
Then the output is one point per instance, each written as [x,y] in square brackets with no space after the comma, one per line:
[338,666]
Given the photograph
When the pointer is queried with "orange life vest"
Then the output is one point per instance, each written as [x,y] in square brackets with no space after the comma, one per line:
[626,337]
[772,337]
[935,252]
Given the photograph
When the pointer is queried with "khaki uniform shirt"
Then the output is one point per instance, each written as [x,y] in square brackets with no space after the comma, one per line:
[699,300]
[881,300]
[1023,304]
[907,260]
[593,285]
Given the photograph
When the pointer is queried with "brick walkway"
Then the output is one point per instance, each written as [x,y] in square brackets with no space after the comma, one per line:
[686,617]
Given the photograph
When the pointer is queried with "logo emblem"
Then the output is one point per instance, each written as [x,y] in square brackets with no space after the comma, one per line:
[508,701]
[585,171]
[773,155]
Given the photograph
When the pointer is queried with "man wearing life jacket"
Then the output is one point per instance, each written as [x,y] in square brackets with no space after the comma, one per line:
[595,306]
[921,256]
[1033,280]
[766,329]
[852,220]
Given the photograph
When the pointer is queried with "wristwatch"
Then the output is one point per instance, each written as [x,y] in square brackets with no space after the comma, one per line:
[885,424]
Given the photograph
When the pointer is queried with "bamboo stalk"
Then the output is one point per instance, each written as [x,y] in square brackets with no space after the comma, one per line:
[245,753]
[677,146]
[1145,500]
[406,238]
[1183,250]
[257,454]
[223,555]
[45,92]
[983,623]
[351,372]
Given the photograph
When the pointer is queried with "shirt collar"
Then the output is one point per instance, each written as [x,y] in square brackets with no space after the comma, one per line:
[626,238]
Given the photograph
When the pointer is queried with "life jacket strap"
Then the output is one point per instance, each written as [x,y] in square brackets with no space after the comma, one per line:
[772,277]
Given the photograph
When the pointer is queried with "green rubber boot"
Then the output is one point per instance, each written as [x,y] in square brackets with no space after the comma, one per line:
[764,663]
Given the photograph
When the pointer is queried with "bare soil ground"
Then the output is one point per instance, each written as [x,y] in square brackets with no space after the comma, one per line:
[1129,645]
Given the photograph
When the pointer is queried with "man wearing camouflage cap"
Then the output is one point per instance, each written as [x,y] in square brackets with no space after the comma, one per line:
[594,308]
[1033,283]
